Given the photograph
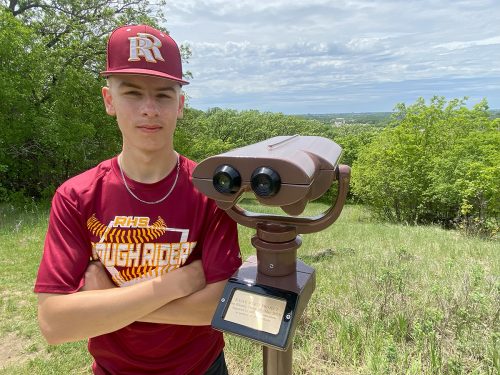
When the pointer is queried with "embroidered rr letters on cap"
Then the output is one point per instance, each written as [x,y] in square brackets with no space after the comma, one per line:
[145,45]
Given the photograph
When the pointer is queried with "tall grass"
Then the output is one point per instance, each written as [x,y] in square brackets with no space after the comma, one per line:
[389,299]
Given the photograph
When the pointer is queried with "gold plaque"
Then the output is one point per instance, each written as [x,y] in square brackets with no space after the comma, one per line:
[256,311]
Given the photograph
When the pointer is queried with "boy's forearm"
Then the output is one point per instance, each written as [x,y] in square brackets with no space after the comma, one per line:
[77,316]
[196,309]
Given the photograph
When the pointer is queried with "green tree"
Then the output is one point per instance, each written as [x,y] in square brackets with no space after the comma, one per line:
[202,134]
[353,138]
[20,60]
[434,163]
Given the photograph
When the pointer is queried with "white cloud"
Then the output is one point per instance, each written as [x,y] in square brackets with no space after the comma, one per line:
[350,55]
[462,45]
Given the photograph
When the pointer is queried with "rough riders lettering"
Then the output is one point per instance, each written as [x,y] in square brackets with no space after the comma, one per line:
[131,249]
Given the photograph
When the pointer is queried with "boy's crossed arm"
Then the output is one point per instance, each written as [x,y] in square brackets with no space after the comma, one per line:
[100,308]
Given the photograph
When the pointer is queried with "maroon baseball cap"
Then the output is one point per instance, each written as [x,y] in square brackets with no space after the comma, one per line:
[141,49]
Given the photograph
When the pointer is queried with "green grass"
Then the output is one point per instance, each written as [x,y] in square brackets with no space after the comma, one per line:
[22,348]
[390,299]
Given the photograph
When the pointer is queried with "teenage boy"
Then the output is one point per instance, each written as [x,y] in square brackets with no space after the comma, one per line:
[135,258]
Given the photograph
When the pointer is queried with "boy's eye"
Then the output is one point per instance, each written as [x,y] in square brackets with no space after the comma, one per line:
[132,93]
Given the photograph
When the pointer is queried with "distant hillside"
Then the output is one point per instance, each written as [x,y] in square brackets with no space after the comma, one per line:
[372,118]
[495,113]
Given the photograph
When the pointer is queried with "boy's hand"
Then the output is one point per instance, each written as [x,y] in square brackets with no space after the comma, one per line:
[96,277]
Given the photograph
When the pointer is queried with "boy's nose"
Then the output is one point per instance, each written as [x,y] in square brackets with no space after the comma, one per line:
[150,107]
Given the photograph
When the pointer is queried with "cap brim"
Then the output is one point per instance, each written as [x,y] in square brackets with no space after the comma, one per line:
[144,72]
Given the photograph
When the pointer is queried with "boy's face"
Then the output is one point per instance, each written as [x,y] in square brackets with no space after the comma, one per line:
[146,109]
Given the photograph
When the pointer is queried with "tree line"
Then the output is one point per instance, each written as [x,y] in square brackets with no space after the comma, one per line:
[432,162]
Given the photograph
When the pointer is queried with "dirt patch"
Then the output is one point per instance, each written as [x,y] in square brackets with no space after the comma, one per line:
[13,350]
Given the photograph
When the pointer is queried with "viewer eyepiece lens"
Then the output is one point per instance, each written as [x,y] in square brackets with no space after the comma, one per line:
[226,180]
[265,182]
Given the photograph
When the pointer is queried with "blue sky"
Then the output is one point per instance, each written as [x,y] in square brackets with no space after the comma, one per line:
[319,56]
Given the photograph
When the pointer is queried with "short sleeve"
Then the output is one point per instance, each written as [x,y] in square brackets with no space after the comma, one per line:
[220,249]
[67,249]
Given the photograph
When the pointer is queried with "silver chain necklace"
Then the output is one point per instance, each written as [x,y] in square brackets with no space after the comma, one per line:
[159,200]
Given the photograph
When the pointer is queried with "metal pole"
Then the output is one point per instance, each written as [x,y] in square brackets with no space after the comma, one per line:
[277,362]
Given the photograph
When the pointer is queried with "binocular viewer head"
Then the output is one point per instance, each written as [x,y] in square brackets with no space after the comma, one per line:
[285,171]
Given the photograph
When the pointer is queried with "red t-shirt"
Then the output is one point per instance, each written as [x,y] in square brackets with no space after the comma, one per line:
[94,216]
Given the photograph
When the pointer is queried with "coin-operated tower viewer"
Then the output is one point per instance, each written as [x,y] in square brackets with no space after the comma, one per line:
[265,298]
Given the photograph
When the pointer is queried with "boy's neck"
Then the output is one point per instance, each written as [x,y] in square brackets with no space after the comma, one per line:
[147,168]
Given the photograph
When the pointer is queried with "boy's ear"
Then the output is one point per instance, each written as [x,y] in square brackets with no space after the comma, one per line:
[180,110]
[108,101]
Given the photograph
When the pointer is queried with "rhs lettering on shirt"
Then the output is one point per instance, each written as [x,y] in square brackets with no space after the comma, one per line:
[132,249]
